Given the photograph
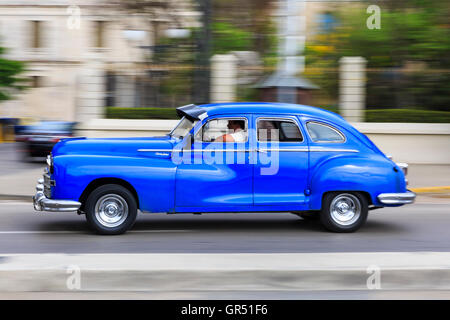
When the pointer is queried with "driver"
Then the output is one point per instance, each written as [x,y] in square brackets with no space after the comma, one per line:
[238,134]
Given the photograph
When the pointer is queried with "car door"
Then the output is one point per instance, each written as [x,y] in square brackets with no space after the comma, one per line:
[218,175]
[281,169]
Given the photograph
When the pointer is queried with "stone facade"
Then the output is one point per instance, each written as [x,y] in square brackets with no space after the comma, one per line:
[352,88]
[69,46]
[223,78]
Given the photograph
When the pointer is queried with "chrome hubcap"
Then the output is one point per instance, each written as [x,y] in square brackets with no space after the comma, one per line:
[111,210]
[345,209]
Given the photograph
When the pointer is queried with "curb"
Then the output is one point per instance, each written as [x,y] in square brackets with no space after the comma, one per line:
[443,189]
[229,272]
[16,197]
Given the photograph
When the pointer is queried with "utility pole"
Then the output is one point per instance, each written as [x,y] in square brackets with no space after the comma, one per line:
[291,35]
[285,84]
[201,83]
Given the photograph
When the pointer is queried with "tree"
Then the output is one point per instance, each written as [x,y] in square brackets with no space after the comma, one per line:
[9,76]
[247,24]
[408,54]
[406,33]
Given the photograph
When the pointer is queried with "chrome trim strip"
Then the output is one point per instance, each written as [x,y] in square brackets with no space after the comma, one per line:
[312,150]
[242,150]
[332,150]
[397,198]
[278,150]
[203,150]
[218,150]
[154,150]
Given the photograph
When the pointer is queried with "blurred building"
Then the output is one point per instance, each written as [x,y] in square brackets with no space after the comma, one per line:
[82,55]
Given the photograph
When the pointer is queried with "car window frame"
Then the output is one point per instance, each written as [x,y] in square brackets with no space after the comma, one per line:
[218,117]
[275,118]
[325,125]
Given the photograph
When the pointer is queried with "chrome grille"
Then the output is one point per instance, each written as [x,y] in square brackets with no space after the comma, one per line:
[48,192]
[49,163]
[48,183]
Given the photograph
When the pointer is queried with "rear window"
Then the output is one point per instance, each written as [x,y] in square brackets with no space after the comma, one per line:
[320,132]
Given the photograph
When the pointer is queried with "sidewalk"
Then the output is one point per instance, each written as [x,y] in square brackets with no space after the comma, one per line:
[230,272]
[423,179]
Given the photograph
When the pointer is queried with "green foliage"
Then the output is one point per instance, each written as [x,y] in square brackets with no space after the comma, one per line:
[250,21]
[380,115]
[9,80]
[140,113]
[407,58]
[407,115]
[405,35]
[228,38]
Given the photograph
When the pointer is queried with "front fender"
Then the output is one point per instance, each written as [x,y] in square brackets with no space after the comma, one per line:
[152,178]
[370,174]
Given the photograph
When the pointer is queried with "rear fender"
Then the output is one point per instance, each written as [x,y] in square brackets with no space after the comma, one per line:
[372,175]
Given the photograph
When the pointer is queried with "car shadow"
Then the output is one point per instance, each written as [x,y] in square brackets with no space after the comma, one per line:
[229,225]
[256,223]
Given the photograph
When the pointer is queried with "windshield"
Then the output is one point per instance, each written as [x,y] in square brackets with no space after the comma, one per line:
[183,127]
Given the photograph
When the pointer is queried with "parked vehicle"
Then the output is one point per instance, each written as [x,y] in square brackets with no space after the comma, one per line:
[38,139]
[237,157]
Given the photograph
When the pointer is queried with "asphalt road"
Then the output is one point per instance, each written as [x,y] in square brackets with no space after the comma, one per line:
[418,227]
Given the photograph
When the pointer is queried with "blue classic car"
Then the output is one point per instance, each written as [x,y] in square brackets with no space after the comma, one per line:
[234,157]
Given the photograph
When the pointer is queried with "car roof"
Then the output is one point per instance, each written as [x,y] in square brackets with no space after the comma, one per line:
[274,108]
[270,108]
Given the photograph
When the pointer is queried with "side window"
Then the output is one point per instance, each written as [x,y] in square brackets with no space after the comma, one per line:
[278,130]
[223,130]
[324,133]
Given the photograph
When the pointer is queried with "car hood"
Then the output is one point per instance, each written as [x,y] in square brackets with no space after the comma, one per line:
[111,146]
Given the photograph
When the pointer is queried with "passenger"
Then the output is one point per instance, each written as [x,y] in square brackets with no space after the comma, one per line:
[267,131]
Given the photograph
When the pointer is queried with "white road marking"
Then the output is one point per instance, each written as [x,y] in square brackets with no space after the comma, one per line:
[82,232]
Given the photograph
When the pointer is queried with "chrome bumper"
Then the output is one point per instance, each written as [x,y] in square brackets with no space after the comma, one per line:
[397,198]
[42,203]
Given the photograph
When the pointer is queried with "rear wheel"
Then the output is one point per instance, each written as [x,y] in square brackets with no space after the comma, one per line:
[111,209]
[344,211]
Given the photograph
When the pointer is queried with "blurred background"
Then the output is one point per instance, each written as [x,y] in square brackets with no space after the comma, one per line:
[67,65]
[108,68]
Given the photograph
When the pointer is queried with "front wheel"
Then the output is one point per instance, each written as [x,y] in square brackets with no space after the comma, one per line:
[111,209]
[344,211]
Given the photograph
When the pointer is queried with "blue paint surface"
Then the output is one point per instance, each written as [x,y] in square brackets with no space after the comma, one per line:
[306,169]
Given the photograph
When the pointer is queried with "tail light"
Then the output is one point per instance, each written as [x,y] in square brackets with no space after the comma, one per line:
[404,168]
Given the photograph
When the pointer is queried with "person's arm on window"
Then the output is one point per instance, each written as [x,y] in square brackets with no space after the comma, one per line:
[225,138]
